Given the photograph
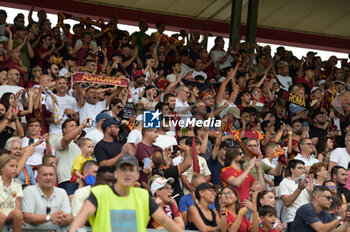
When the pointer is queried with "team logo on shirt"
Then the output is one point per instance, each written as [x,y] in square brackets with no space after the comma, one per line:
[151,119]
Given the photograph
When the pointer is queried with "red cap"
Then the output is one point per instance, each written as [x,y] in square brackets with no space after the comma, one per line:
[163,83]
[138,73]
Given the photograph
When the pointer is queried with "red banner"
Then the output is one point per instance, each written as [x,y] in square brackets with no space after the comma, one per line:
[101,79]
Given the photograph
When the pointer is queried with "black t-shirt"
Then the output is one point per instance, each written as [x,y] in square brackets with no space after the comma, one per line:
[317,132]
[5,135]
[307,215]
[107,150]
[344,191]
[153,206]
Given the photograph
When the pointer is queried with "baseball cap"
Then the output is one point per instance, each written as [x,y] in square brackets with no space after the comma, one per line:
[315,88]
[311,53]
[203,186]
[109,122]
[321,82]
[127,159]
[101,116]
[138,73]
[159,183]
[235,112]
[69,57]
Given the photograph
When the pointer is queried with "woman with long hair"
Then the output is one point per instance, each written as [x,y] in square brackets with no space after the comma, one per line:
[235,215]
[10,194]
[324,146]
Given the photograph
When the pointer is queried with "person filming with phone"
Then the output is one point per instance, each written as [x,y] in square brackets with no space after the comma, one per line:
[314,216]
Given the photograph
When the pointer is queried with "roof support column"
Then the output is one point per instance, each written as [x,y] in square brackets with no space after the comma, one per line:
[252,22]
[235,24]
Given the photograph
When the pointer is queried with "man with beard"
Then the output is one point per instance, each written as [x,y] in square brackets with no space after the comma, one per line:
[6,131]
[314,216]
[171,100]
[67,106]
[246,122]
[320,127]
[69,63]
[176,67]
[109,149]
[67,149]
[46,50]
[24,171]
[232,174]
[139,85]
[52,70]
[297,127]
[339,177]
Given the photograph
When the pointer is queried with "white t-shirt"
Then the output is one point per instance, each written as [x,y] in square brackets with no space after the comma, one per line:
[9,88]
[286,81]
[135,93]
[164,141]
[135,136]
[272,164]
[203,169]
[200,73]
[307,162]
[90,111]
[62,72]
[179,106]
[217,54]
[341,157]
[287,187]
[80,195]
[184,69]
[65,157]
[9,194]
[36,158]
[95,135]
[63,103]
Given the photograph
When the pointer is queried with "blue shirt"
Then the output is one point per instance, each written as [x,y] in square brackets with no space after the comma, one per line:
[186,201]
[307,215]
[21,176]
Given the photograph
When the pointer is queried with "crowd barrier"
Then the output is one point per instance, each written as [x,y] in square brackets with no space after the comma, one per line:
[44,228]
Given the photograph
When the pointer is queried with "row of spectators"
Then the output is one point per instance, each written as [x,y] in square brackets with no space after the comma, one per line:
[277,150]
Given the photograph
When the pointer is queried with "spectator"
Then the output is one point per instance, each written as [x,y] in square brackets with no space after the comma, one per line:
[306,148]
[341,155]
[295,194]
[161,189]
[235,214]
[109,149]
[96,134]
[186,177]
[314,217]
[331,186]
[67,150]
[11,192]
[139,202]
[338,176]
[104,175]
[87,148]
[88,177]
[24,171]
[187,200]
[12,86]
[234,176]
[319,170]
[285,81]
[43,203]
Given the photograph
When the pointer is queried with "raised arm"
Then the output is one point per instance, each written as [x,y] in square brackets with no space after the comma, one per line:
[80,95]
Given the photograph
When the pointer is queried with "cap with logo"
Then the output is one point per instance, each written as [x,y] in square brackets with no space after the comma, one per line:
[159,183]
[109,122]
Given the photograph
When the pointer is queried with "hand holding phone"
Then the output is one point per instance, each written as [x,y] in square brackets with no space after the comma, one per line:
[147,163]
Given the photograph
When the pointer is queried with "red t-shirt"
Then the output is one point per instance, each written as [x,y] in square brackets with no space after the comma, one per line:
[243,227]
[272,230]
[171,211]
[38,53]
[243,189]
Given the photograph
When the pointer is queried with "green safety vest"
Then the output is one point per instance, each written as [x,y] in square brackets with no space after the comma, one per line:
[120,213]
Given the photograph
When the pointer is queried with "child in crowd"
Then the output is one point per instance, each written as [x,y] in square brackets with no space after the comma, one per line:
[87,148]
[10,194]
[268,217]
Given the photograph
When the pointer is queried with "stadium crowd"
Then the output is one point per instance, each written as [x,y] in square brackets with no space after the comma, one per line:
[248,139]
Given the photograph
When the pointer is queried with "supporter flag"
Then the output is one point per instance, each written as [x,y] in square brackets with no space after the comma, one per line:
[246,150]
[281,154]
[196,168]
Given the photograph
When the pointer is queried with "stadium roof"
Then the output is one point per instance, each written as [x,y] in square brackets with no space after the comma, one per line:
[319,24]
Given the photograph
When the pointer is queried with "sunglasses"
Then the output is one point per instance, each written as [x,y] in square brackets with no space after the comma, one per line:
[328,197]
[119,107]
[332,187]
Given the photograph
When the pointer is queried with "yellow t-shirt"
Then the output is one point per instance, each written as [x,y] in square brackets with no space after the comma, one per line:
[79,162]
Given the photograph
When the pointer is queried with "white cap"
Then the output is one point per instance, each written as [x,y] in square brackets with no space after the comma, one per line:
[314,89]
[159,183]
[321,82]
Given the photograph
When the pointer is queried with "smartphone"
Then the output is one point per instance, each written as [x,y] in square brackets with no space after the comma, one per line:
[90,122]
[147,163]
